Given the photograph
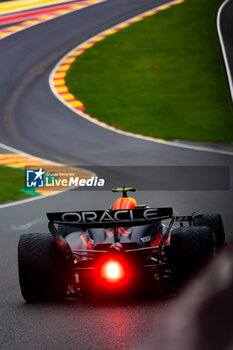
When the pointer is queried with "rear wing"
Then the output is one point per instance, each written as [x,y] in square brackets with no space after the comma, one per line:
[110,218]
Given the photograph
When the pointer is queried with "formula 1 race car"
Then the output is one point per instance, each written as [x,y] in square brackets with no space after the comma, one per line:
[127,249]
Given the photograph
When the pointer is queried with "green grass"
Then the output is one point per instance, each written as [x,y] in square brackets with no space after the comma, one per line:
[160,77]
[11,181]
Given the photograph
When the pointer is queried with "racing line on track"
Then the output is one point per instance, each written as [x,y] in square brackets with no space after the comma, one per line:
[57,79]
[23,160]
[19,159]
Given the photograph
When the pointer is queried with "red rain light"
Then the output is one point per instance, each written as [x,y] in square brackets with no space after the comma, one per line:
[112,270]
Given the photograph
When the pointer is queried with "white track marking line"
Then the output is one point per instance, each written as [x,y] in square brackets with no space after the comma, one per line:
[111,128]
[15,150]
[24,201]
[27,200]
[223,47]
[26,226]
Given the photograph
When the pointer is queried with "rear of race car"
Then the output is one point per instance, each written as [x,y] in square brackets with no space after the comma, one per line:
[116,270]
[109,253]
[120,264]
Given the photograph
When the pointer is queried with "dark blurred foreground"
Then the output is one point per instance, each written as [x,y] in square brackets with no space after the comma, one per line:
[202,317]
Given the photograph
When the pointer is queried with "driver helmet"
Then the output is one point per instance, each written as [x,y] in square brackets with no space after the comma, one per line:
[124,203]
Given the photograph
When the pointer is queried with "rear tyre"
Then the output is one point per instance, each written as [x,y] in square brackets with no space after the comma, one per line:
[214,221]
[42,268]
[190,248]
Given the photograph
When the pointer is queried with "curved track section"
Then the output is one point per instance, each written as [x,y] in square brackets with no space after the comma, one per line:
[33,121]
[61,91]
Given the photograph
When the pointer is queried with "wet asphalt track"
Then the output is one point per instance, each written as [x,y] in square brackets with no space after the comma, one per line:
[33,120]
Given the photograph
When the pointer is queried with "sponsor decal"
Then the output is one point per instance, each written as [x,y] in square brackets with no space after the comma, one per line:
[146,239]
[112,218]
[107,216]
